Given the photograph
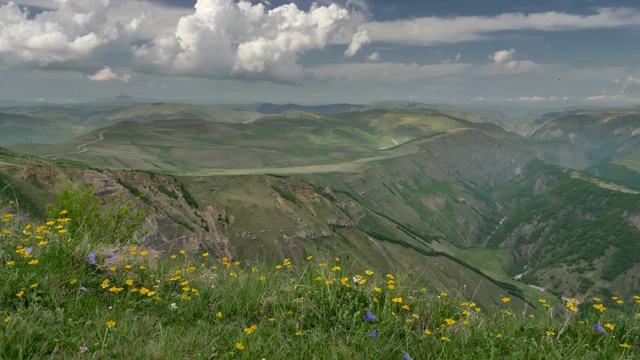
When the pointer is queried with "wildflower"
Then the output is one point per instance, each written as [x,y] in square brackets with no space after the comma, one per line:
[250,329]
[33,262]
[329,282]
[263,278]
[405,306]
[609,326]
[444,294]
[111,323]
[397,300]
[377,289]
[20,293]
[219,315]
[450,321]
[599,328]
[298,333]
[499,336]
[82,288]
[33,286]
[405,356]
[83,349]
[444,338]
[111,256]
[427,332]
[128,266]
[600,307]
[10,262]
[345,281]
[28,250]
[239,346]
[550,333]
[336,268]
[373,334]
[506,299]
[625,345]
[390,276]
[7,319]
[322,264]
[42,243]
[173,306]
[173,256]
[309,257]
[205,254]
[129,282]
[368,272]
[466,313]
[597,299]
[369,316]
[91,258]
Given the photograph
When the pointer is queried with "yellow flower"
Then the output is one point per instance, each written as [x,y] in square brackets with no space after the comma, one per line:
[33,262]
[506,299]
[444,294]
[10,262]
[336,268]
[239,346]
[33,286]
[427,332]
[625,345]
[249,330]
[111,323]
[322,264]
[444,338]
[499,336]
[309,257]
[143,252]
[550,333]
[42,243]
[609,326]
[7,319]
[173,256]
[405,306]
[182,252]
[329,282]
[262,278]
[600,307]
[390,276]
[391,287]
[397,300]
[368,272]
[597,299]
[113,268]
[205,254]
[466,313]
[128,266]
[450,321]
[219,315]
[129,282]
[278,266]
[377,289]
[73,281]
[298,333]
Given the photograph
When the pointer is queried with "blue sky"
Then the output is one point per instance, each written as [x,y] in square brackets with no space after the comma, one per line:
[463,52]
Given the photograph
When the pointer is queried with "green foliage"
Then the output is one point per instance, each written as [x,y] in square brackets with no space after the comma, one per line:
[169,192]
[188,197]
[131,303]
[115,222]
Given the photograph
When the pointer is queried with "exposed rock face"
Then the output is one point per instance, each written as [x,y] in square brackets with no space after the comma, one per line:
[523,230]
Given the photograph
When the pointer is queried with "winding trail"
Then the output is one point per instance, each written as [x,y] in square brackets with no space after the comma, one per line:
[81,148]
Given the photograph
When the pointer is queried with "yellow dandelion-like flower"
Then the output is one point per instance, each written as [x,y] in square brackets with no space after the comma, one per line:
[609,326]
[20,293]
[173,256]
[450,321]
[7,319]
[390,276]
[466,313]
[129,282]
[444,294]
[368,272]
[32,286]
[427,332]
[219,315]
[377,289]
[506,299]
[329,282]
[10,262]
[262,278]
[42,243]
[625,345]
[239,346]
[322,264]
[550,333]
[111,323]
[397,300]
[205,254]
[128,266]
[405,306]
[278,266]
[336,268]
[309,257]
[33,262]
[272,319]
[444,338]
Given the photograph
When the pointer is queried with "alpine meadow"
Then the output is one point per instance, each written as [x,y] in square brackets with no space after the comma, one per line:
[222,179]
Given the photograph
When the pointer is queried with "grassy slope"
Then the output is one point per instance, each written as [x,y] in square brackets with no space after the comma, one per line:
[135,303]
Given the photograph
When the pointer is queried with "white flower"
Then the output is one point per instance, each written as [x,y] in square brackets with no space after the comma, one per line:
[174,306]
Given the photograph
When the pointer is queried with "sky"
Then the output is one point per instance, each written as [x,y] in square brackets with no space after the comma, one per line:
[461,52]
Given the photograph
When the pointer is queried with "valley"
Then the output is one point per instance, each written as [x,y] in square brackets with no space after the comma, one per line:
[445,195]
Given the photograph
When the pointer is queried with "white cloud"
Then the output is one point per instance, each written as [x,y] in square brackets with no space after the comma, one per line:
[74,31]
[374,56]
[107,74]
[225,39]
[630,83]
[503,60]
[387,71]
[433,30]
[357,41]
[532,98]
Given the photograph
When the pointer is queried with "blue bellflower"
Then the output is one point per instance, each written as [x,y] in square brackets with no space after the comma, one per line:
[369,316]
[91,258]
[599,328]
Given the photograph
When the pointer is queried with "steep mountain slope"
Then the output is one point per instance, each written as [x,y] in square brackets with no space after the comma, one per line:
[570,233]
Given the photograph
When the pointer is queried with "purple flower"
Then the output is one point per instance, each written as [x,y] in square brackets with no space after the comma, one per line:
[91,258]
[83,288]
[405,356]
[111,256]
[28,250]
[83,349]
[24,217]
[599,328]
[369,316]
[373,334]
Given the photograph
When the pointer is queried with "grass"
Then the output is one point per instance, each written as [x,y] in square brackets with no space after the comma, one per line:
[73,296]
